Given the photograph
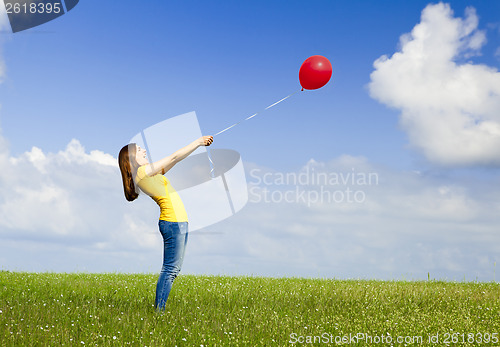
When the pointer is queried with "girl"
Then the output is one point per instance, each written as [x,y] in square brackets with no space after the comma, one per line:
[138,173]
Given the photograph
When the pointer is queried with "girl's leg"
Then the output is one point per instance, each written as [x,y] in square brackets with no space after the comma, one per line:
[174,244]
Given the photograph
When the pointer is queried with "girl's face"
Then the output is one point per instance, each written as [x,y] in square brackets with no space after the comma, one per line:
[140,156]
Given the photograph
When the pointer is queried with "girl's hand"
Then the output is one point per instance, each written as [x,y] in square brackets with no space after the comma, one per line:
[206,140]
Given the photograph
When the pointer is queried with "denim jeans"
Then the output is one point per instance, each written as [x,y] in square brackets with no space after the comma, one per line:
[175,235]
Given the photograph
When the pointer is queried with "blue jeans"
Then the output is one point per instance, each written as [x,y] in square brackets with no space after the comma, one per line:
[175,235]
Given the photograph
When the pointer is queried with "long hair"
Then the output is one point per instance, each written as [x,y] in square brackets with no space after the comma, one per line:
[128,167]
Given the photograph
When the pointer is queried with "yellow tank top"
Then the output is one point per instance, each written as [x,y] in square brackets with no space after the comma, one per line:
[158,187]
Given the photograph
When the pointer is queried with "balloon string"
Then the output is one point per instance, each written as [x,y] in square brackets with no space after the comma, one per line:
[235,124]
[212,170]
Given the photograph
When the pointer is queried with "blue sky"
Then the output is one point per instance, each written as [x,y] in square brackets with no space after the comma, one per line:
[109,70]
[104,71]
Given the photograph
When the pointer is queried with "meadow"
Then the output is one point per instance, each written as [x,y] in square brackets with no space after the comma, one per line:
[55,309]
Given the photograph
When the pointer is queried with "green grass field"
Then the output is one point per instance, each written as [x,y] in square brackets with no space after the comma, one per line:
[51,309]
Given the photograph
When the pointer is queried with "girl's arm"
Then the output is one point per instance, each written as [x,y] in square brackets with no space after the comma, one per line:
[165,164]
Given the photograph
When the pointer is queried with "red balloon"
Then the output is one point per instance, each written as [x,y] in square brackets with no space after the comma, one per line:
[315,72]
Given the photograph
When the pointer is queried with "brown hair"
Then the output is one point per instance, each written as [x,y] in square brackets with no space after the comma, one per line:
[128,167]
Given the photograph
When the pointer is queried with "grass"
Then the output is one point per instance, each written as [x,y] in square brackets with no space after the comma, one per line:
[52,309]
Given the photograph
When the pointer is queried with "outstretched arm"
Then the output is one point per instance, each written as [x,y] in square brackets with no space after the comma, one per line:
[165,164]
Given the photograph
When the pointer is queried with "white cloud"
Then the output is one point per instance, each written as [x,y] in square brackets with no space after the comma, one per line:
[409,224]
[448,108]
[4,26]
[4,19]
[68,209]
[68,197]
